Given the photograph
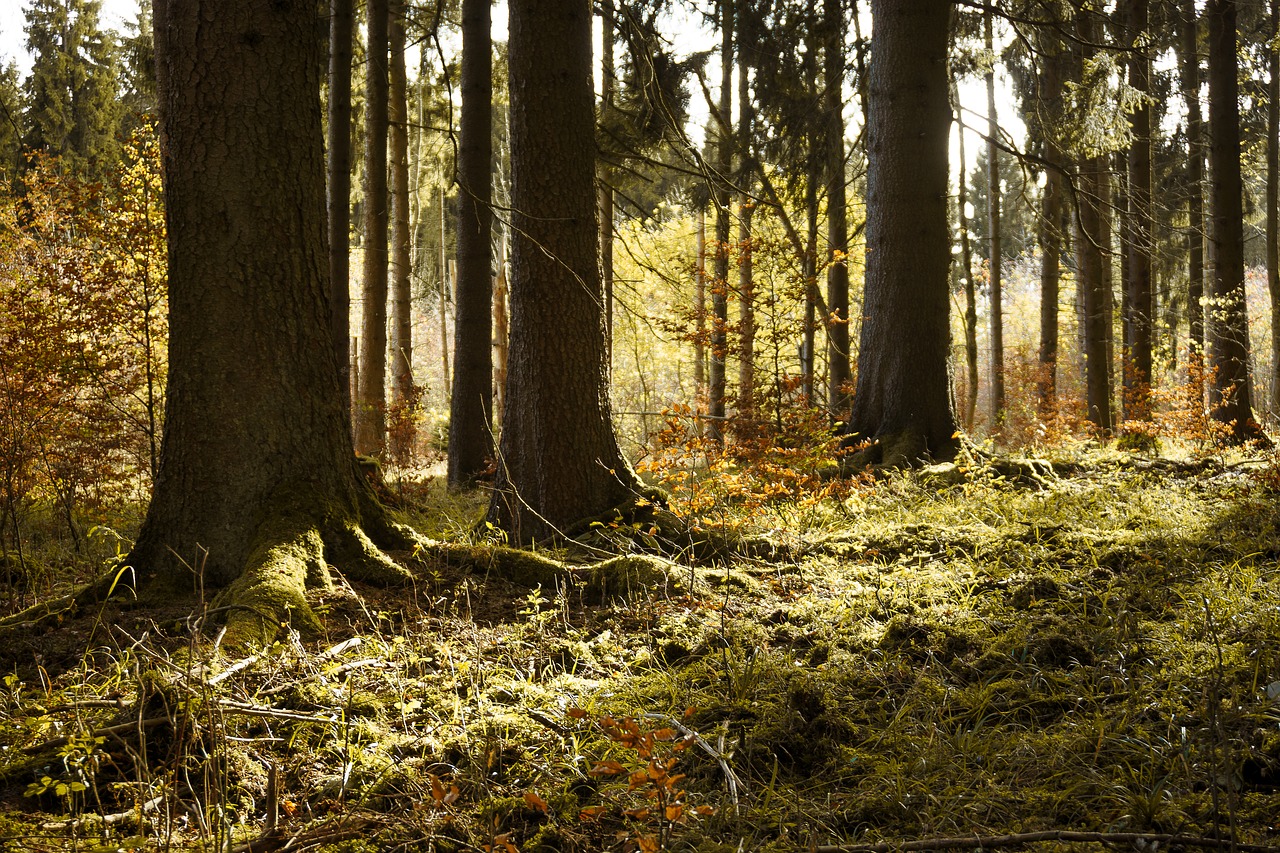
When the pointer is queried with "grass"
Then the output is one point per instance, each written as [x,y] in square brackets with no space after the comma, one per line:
[927,660]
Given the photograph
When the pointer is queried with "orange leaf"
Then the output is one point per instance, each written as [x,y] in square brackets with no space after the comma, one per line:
[535,801]
[607,768]
[591,812]
[437,789]
[453,795]
[675,812]
[664,734]
[704,811]
[647,844]
[576,713]
[638,814]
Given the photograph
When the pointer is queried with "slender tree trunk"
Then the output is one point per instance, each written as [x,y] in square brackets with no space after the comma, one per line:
[903,401]
[444,297]
[1227,321]
[809,363]
[720,197]
[371,411]
[1273,204]
[993,227]
[402,438]
[1141,294]
[700,311]
[605,188]
[341,28]
[501,328]
[970,298]
[558,462]
[470,435]
[746,269]
[839,370]
[1190,58]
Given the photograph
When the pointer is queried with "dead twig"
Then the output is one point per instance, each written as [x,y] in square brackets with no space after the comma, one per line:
[1141,841]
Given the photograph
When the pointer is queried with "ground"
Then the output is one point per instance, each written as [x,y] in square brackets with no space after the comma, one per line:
[958,652]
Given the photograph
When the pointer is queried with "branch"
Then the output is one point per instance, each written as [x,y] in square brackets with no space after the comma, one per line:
[1018,839]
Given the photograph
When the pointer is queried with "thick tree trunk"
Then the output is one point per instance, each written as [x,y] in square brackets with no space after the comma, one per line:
[371,408]
[903,403]
[1047,118]
[341,28]
[1141,314]
[257,488]
[605,189]
[402,437]
[839,371]
[1227,321]
[470,435]
[1190,61]
[558,462]
[1091,257]
[995,254]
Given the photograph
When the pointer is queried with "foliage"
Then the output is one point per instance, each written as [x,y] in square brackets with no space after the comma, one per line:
[82,325]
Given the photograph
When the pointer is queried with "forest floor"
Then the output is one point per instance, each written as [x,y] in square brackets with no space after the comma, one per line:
[1094,656]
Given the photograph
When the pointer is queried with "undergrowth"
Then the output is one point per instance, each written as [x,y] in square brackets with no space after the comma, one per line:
[1097,651]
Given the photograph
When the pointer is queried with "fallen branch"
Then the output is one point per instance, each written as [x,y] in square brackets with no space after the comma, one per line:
[129,817]
[1140,839]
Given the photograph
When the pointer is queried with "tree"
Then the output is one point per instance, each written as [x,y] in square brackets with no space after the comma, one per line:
[1137,373]
[371,407]
[840,372]
[470,436]
[403,392]
[341,27]
[73,90]
[1226,320]
[558,460]
[10,129]
[902,404]
[1273,202]
[995,257]
[258,489]
[1189,61]
[720,197]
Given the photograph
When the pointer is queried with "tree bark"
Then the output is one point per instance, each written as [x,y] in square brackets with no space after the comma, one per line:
[1190,74]
[607,86]
[470,429]
[700,310]
[994,254]
[1227,321]
[402,390]
[839,371]
[1273,205]
[258,489]
[371,408]
[716,389]
[903,404]
[558,462]
[970,296]
[1137,374]
[341,28]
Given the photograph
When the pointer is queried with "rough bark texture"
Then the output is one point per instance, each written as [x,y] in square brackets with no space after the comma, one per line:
[371,407]
[605,189]
[341,28]
[402,437]
[995,253]
[1273,206]
[700,310]
[1141,313]
[840,373]
[558,462]
[716,389]
[257,488]
[470,430]
[970,290]
[1226,318]
[1190,74]
[1090,260]
[903,402]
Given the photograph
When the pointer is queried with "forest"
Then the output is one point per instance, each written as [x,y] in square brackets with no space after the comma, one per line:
[640,425]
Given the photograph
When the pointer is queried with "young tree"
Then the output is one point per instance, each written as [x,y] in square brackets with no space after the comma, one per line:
[1189,62]
[402,386]
[720,197]
[371,407]
[903,401]
[1226,320]
[839,370]
[341,29]
[995,257]
[257,489]
[558,461]
[470,435]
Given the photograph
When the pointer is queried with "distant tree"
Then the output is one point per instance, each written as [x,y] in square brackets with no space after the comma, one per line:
[138,69]
[558,461]
[470,430]
[840,373]
[258,490]
[403,395]
[10,127]
[995,256]
[1226,317]
[371,407]
[902,404]
[1189,68]
[720,198]
[73,91]
[1273,201]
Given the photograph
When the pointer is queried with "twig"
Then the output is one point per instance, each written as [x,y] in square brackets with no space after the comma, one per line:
[731,778]
[127,816]
[1020,838]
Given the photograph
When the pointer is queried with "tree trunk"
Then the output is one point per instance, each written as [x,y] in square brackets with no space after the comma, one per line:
[839,371]
[1049,112]
[746,316]
[371,410]
[1273,205]
[903,404]
[341,27]
[720,198]
[700,311]
[970,296]
[607,85]
[1091,258]
[500,329]
[559,461]
[1195,187]
[258,488]
[1227,322]
[402,393]
[470,429]
[1141,313]
[993,227]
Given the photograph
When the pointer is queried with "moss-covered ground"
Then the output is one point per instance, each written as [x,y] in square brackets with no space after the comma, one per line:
[931,655]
